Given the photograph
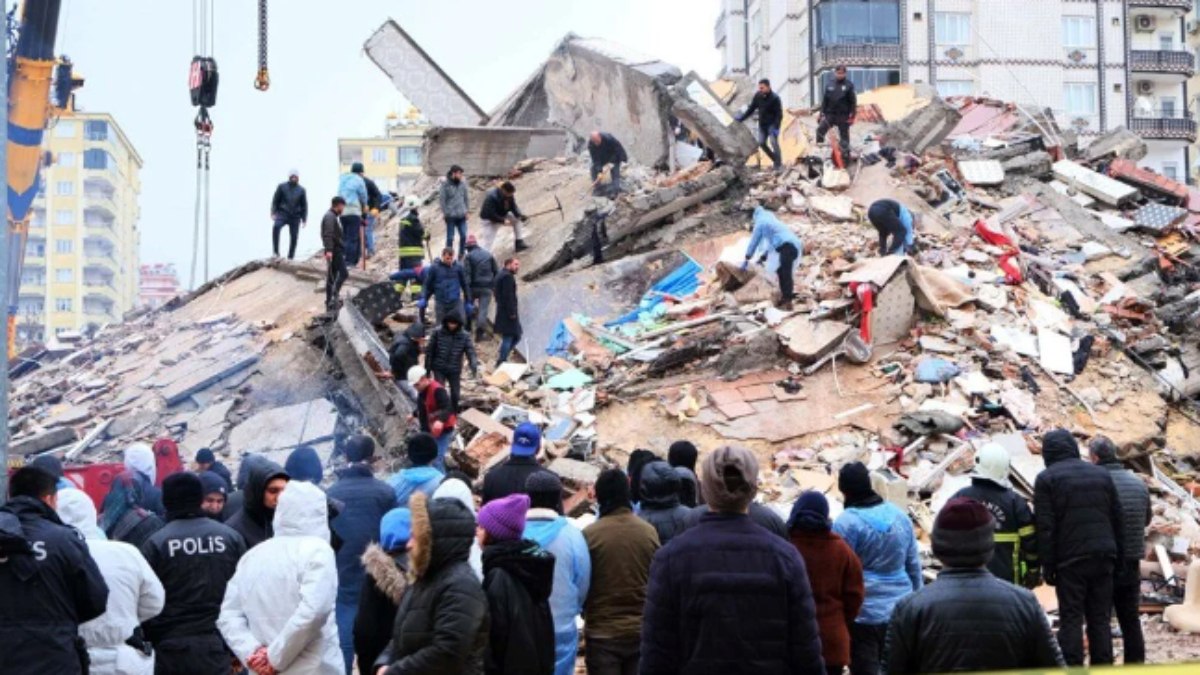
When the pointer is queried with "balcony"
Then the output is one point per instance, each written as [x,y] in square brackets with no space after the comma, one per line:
[100,202]
[1168,62]
[1164,128]
[830,56]
[1185,5]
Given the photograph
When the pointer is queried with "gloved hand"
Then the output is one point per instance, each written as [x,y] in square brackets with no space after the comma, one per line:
[745,264]
[470,309]
[422,303]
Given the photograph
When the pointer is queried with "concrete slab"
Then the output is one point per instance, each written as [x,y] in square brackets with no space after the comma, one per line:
[47,440]
[419,78]
[286,427]
[806,341]
[982,172]
[206,376]
[489,151]
[574,472]
[1103,188]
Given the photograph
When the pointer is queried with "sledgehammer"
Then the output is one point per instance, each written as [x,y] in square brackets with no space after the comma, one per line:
[558,207]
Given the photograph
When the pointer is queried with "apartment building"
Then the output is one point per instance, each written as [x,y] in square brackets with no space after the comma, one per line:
[81,255]
[158,284]
[392,160]
[1097,64]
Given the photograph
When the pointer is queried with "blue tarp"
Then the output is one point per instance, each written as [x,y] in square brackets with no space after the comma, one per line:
[682,282]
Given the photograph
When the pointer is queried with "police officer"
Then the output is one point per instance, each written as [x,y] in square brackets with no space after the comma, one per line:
[194,556]
[48,581]
[1015,559]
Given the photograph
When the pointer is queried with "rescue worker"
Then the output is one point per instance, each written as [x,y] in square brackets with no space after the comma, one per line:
[606,151]
[277,616]
[482,271]
[289,207]
[770,120]
[499,209]
[508,315]
[115,642]
[839,105]
[264,484]
[893,221]
[206,460]
[1015,559]
[770,232]
[216,492]
[447,348]
[435,411]
[446,282]
[48,581]
[194,556]
[455,202]
[352,188]
[413,239]
[333,239]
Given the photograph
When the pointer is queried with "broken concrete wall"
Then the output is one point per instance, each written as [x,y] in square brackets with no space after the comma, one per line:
[489,151]
[419,78]
[700,110]
[923,128]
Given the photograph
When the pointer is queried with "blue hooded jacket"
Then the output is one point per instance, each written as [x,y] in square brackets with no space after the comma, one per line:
[770,231]
[353,189]
[882,538]
[572,578]
[415,479]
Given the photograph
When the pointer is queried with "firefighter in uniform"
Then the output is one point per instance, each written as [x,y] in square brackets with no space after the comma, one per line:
[1016,558]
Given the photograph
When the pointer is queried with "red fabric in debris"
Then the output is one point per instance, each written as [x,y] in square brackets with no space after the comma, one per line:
[1012,271]
[865,300]
[992,236]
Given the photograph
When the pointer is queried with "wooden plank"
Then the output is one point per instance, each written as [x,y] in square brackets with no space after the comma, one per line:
[484,423]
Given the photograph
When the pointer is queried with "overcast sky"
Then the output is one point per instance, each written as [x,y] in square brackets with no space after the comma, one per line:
[135,56]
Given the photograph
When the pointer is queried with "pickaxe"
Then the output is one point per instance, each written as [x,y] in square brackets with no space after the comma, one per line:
[558,207]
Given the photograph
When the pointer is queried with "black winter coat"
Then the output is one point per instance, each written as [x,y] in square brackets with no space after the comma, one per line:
[763,515]
[660,505]
[383,587]
[223,471]
[442,624]
[253,521]
[1077,511]
[1135,508]
[194,557]
[446,283]
[332,236]
[728,597]
[135,527]
[374,196]
[446,348]
[610,151]
[509,478]
[365,499]
[481,268]
[49,585]
[517,578]
[1014,520]
[405,352]
[496,206]
[290,202]
[840,100]
[969,620]
[770,110]
[508,314]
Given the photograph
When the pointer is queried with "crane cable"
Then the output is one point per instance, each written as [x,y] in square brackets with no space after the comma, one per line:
[263,81]
[202,40]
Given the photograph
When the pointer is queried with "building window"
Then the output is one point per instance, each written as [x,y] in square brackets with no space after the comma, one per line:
[63,245]
[64,129]
[64,187]
[35,248]
[33,276]
[349,154]
[66,160]
[95,130]
[1166,42]
[379,155]
[410,156]
[1170,170]
[1079,100]
[64,217]
[62,304]
[1079,32]
[1168,107]
[948,88]
[97,159]
[64,275]
[872,22]
[952,29]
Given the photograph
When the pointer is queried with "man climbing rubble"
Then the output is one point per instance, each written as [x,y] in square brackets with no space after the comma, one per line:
[332,237]
[770,119]
[481,271]
[839,106]
[289,207]
[777,237]
[435,413]
[893,221]
[446,282]
[444,356]
[606,152]
[1015,558]
[500,209]
[352,188]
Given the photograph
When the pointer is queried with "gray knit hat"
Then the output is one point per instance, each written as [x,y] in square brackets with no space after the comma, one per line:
[729,479]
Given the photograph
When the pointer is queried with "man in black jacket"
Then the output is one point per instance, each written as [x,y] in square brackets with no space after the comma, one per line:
[500,208]
[335,253]
[481,271]
[1015,559]
[444,355]
[264,484]
[48,581]
[405,351]
[194,557]
[1080,538]
[605,150]
[660,487]
[510,477]
[770,120]
[289,207]
[508,315]
[442,623]
[1134,498]
[968,620]
[838,109]
[206,460]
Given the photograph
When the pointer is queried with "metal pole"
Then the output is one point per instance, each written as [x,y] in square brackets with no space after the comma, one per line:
[4,272]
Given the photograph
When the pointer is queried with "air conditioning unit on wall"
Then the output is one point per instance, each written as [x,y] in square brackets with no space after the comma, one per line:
[1145,87]
[1193,26]
[1144,23]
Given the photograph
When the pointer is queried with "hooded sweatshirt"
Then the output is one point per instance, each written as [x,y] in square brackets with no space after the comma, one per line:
[139,458]
[134,593]
[572,578]
[457,490]
[283,592]
[254,520]
[415,479]
[660,486]
[517,578]
[769,230]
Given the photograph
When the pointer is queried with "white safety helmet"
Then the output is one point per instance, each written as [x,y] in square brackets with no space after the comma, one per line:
[411,202]
[991,462]
[415,374]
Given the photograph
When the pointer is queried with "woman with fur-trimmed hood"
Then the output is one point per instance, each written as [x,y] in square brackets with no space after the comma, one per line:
[387,568]
[441,627]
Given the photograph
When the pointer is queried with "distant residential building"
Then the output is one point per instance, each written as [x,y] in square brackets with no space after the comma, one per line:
[81,255]
[159,283]
[392,160]
[1098,64]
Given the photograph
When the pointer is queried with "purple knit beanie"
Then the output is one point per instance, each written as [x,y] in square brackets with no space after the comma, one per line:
[504,519]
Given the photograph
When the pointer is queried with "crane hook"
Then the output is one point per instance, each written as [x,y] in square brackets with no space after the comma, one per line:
[263,81]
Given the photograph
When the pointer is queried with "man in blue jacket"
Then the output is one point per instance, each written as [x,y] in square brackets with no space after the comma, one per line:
[882,538]
[353,189]
[365,499]
[775,236]
[446,282]
[422,476]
